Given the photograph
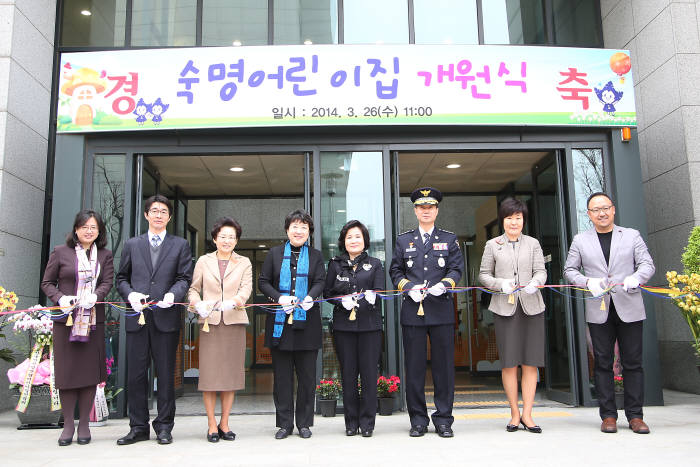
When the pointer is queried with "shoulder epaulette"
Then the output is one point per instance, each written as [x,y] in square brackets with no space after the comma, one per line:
[407,232]
[447,231]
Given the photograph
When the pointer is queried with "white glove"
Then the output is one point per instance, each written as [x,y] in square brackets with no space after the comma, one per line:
[67,302]
[508,286]
[349,301]
[137,301]
[370,296]
[416,293]
[437,290]
[307,303]
[167,302]
[203,309]
[530,288]
[630,282]
[287,302]
[227,305]
[88,301]
[596,286]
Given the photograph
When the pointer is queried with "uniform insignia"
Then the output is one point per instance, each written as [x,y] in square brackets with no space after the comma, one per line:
[406,232]
[366,266]
[499,240]
[425,192]
[410,244]
[409,263]
[409,250]
[440,246]
[441,262]
[446,231]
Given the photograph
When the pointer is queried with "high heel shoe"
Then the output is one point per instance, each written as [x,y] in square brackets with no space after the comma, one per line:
[226,435]
[531,429]
[511,428]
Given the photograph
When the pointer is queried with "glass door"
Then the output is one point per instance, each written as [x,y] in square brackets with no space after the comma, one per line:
[550,231]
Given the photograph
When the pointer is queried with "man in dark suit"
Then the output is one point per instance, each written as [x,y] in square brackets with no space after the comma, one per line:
[155,268]
[425,262]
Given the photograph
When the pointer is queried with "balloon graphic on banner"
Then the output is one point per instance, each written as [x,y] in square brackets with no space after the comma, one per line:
[620,64]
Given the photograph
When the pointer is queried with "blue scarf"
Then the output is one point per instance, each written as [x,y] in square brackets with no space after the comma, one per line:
[300,289]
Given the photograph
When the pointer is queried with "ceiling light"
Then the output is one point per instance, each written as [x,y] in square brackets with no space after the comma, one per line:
[237,43]
[453,166]
[85,13]
[340,210]
[308,42]
[236,169]
[262,246]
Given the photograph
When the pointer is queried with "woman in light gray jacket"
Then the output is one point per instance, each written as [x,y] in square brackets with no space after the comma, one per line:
[513,264]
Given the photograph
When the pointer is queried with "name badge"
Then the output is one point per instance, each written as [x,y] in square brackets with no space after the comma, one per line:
[342,279]
[440,246]
[409,250]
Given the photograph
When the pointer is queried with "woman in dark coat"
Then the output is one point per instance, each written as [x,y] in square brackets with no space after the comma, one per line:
[292,275]
[78,275]
[357,324]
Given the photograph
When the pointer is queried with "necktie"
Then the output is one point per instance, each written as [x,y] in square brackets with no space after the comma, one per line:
[426,237]
[155,241]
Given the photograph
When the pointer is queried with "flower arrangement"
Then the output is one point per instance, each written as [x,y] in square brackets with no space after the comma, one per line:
[8,302]
[686,287]
[111,390]
[39,328]
[387,387]
[329,389]
[619,383]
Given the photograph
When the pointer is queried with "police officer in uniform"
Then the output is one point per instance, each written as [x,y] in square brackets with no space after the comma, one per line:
[426,261]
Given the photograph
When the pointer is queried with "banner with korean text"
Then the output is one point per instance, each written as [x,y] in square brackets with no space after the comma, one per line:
[324,85]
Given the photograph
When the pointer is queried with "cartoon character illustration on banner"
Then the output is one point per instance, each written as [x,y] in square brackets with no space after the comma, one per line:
[620,63]
[608,96]
[143,112]
[83,85]
[158,109]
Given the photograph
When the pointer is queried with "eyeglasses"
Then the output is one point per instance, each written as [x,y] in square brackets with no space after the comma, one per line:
[603,209]
[226,237]
[162,212]
[88,228]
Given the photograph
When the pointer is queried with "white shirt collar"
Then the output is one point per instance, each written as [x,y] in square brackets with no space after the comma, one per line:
[160,235]
[423,232]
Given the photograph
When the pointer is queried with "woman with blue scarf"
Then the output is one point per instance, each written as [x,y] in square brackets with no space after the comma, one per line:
[293,276]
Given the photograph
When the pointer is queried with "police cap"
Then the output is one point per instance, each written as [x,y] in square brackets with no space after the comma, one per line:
[426,195]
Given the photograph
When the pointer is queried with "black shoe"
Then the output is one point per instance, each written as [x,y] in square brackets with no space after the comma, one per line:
[84,440]
[133,437]
[283,433]
[212,437]
[512,428]
[444,431]
[228,436]
[305,433]
[164,437]
[350,432]
[531,429]
[367,433]
[418,430]
[65,442]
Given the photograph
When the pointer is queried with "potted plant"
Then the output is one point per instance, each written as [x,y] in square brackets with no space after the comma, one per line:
[37,401]
[619,392]
[686,287]
[8,301]
[386,388]
[328,391]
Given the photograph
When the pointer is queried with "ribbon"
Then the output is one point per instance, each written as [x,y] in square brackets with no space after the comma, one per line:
[55,399]
[34,360]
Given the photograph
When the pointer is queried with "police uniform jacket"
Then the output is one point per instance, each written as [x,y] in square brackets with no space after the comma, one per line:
[341,279]
[308,337]
[438,261]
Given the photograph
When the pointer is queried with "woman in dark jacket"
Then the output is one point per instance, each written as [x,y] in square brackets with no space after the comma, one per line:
[79,274]
[354,276]
[292,276]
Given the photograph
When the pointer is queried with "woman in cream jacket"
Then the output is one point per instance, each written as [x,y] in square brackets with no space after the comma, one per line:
[221,284]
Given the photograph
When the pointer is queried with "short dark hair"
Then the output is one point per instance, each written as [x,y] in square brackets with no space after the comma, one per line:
[510,206]
[80,220]
[226,222]
[598,193]
[158,199]
[351,225]
[299,215]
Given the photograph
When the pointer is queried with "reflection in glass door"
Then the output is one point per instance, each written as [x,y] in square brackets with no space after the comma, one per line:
[550,232]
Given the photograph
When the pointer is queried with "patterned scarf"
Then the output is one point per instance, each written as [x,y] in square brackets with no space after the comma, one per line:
[300,289]
[86,274]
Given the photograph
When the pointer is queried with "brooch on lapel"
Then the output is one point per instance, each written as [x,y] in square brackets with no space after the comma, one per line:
[366,266]
[441,262]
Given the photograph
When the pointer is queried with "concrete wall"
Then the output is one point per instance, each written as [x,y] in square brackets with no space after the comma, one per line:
[26,57]
[664,41]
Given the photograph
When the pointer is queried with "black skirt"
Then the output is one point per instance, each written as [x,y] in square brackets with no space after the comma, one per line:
[78,364]
[520,338]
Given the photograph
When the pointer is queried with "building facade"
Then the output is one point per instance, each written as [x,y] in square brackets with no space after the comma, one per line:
[61,151]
